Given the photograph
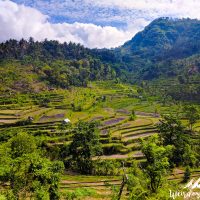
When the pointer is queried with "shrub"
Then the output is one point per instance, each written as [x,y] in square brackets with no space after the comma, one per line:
[112,148]
[79,193]
[106,167]
[187,174]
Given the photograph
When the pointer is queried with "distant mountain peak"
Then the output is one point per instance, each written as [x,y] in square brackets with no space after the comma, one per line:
[182,36]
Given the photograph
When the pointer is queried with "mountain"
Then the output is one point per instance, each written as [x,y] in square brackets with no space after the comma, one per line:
[165,38]
[165,54]
[28,66]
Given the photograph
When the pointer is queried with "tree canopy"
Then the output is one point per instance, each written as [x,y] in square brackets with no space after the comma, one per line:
[85,145]
[27,171]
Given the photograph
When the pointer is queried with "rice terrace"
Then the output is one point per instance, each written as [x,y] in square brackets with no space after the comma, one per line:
[99,100]
[111,105]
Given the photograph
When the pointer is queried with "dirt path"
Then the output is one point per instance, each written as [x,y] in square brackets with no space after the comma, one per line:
[92,184]
[120,156]
[137,136]
[156,115]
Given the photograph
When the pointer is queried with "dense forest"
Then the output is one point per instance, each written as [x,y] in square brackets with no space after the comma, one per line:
[49,64]
[167,49]
[80,123]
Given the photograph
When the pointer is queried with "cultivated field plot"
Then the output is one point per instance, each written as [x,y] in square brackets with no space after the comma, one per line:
[111,106]
[106,102]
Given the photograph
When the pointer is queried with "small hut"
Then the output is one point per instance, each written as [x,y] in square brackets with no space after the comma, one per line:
[66,121]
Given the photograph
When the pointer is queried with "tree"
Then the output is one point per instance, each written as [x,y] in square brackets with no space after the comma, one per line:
[133,115]
[189,156]
[192,115]
[173,133]
[123,183]
[137,184]
[27,170]
[157,161]
[187,174]
[22,144]
[85,145]
[170,127]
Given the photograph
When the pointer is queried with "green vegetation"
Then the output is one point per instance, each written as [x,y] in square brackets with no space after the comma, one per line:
[123,141]
[187,174]
[173,133]
[192,115]
[85,145]
[26,171]
[105,124]
[157,161]
[163,59]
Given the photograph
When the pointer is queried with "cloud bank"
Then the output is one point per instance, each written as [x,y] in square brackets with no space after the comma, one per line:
[178,8]
[19,21]
[93,23]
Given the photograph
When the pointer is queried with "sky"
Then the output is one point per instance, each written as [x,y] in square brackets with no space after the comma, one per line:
[92,23]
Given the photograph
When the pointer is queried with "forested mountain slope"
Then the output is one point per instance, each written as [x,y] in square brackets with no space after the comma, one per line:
[165,53]
[28,66]
[164,38]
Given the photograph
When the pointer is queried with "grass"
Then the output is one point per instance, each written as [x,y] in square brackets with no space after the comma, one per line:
[88,178]
[7,121]
[139,123]
[9,112]
[137,129]
[138,132]
[118,133]
[135,137]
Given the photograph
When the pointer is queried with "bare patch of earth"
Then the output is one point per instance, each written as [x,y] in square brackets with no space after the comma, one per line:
[57,116]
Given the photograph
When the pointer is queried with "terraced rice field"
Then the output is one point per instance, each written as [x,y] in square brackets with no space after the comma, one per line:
[103,185]
[116,129]
[120,137]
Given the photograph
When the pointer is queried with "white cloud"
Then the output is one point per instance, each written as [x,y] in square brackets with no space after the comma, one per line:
[92,35]
[19,21]
[178,8]
[132,15]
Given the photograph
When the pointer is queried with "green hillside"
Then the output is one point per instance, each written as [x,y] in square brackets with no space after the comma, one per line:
[111,105]
[166,52]
[79,123]
[165,38]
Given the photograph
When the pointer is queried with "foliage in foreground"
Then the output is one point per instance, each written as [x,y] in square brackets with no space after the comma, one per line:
[84,146]
[27,171]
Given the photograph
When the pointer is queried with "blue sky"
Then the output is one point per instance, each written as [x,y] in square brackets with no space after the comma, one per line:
[93,23]
[84,11]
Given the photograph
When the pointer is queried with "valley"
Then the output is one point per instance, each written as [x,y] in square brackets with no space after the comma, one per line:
[120,123]
[111,105]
